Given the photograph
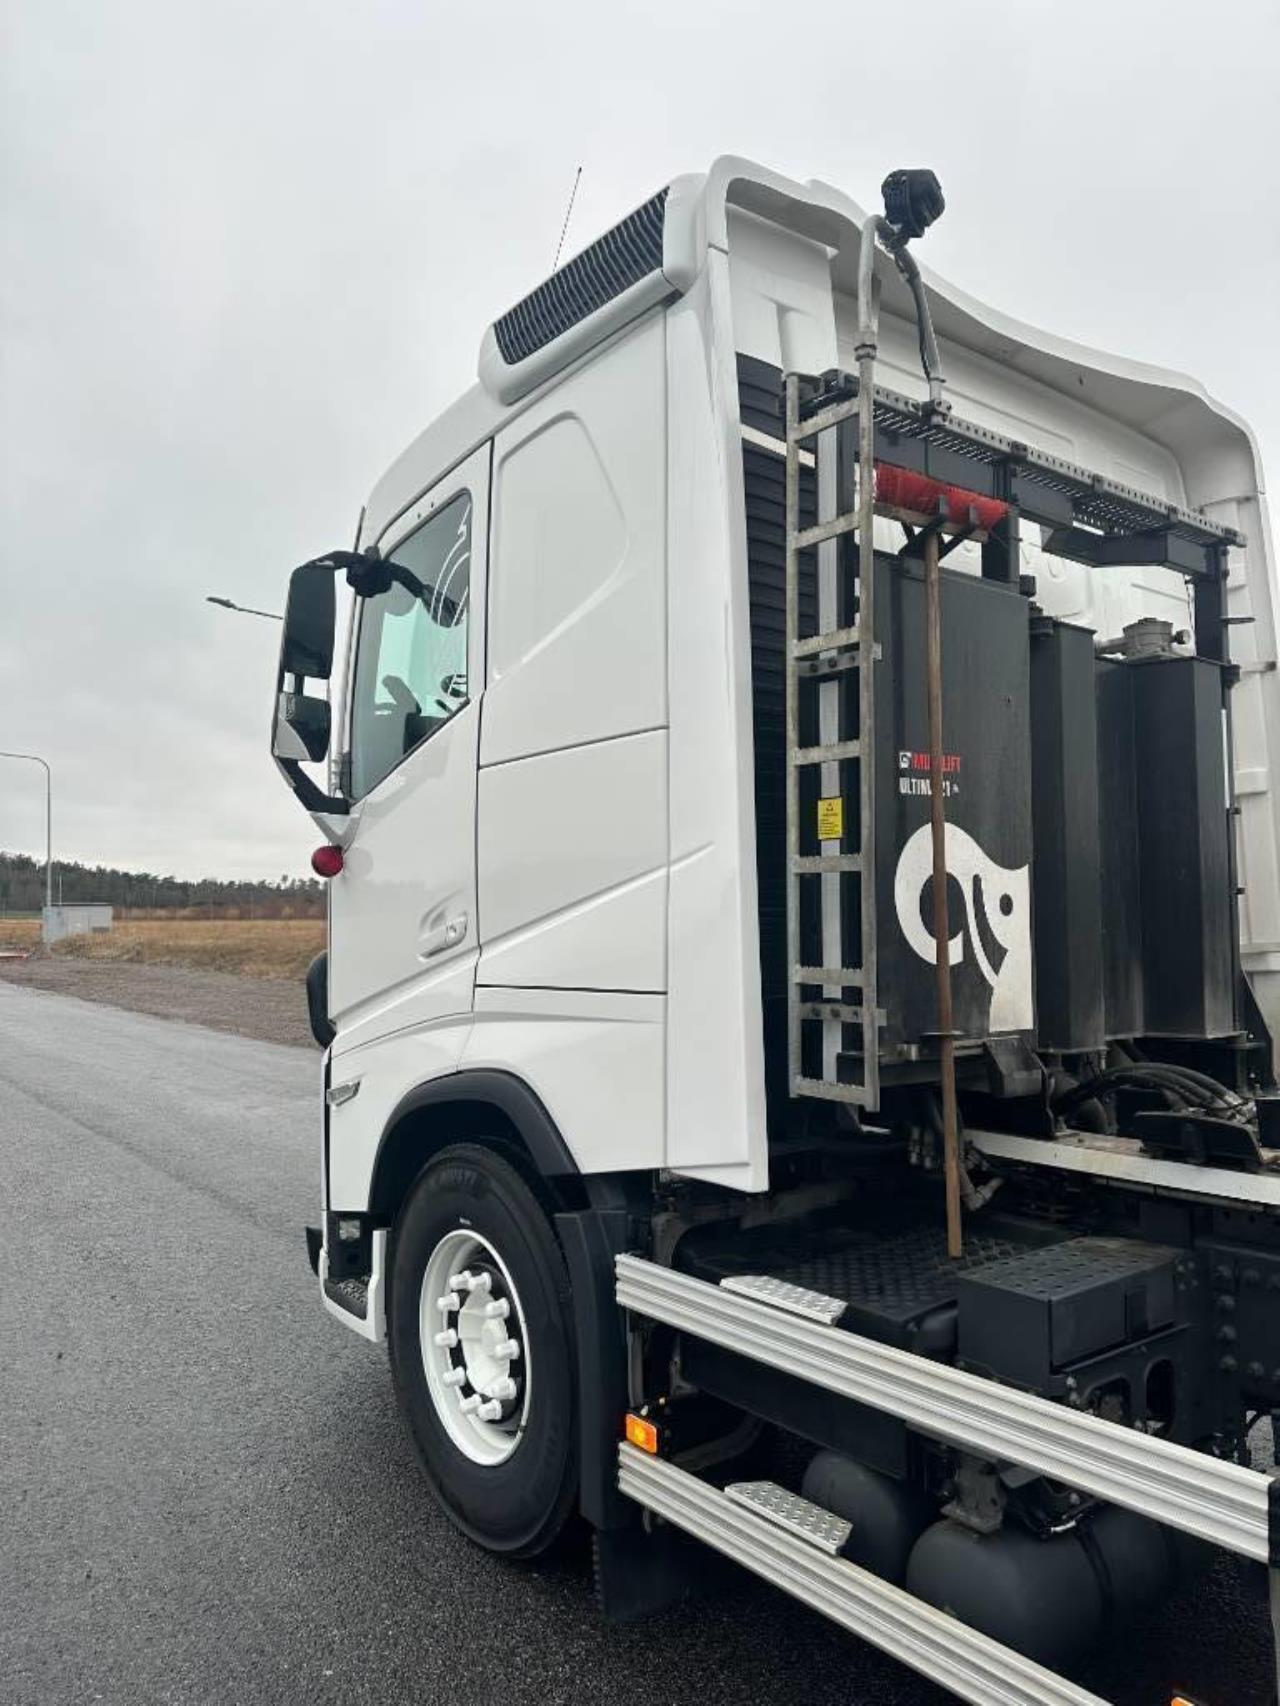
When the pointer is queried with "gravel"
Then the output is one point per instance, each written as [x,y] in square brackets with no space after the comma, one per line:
[267,1009]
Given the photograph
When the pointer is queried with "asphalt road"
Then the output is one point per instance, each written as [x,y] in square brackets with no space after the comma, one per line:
[205,1492]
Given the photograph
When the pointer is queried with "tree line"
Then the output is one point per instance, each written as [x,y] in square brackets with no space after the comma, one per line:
[22,889]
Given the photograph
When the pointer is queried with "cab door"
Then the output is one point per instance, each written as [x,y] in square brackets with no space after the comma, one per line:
[402,920]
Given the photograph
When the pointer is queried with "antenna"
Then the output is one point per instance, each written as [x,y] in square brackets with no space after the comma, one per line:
[577,179]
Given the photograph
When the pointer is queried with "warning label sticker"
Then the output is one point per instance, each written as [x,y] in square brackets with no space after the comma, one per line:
[830,819]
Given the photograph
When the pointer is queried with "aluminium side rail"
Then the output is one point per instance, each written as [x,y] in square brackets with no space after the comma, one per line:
[969,1663]
[1224,1503]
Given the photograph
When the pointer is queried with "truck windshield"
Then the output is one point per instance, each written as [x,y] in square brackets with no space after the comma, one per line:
[411,658]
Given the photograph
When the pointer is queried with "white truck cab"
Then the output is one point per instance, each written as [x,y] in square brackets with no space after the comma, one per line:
[602,770]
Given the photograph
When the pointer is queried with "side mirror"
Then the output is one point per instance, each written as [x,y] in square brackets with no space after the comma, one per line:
[307,646]
[301,726]
[301,729]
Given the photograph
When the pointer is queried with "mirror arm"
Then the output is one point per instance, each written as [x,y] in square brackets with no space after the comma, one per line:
[312,798]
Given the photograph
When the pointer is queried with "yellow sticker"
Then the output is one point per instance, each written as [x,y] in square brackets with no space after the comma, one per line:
[831,819]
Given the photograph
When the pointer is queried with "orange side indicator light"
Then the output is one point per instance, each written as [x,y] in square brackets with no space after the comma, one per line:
[1181,1700]
[644,1434]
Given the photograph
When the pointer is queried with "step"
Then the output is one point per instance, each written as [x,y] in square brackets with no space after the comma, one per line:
[799,1299]
[825,864]
[931,1642]
[801,1517]
[360,1303]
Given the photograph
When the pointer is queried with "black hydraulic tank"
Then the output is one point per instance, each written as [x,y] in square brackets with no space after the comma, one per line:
[1066,892]
[987,783]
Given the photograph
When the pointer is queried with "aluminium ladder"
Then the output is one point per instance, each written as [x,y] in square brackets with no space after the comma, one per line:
[817,662]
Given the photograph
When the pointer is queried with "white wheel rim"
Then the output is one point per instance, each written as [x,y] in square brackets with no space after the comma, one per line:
[475,1347]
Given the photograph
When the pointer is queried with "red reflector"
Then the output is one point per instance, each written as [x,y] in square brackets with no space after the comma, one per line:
[907,490]
[326,861]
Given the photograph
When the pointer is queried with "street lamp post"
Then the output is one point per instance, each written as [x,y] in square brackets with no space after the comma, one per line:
[244,609]
[34,758]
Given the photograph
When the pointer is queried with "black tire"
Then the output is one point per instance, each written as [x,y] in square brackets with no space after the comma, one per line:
[517,1507]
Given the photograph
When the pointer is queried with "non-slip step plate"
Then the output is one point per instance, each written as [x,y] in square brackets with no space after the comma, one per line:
[795,1299]
[801,1517]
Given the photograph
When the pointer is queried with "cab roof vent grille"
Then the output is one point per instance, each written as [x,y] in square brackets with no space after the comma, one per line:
[613,263]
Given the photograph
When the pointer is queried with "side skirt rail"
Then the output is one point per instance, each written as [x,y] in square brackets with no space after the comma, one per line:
[1223,1503]
[1122,1161]
[937,1645]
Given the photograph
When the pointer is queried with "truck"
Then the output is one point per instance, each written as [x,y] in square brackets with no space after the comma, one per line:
[791,747]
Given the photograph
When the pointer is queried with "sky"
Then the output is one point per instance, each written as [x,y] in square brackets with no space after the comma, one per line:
[248,250]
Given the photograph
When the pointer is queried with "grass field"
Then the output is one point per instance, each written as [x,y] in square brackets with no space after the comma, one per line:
[272,948]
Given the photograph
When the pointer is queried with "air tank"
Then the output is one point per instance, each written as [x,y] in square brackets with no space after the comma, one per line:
[1049,1598]
[888,1516]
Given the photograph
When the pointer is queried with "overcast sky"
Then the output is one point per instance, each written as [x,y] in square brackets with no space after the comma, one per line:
[250,247]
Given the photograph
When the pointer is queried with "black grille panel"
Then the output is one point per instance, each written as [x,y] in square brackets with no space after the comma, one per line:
[613,263]
[765,482]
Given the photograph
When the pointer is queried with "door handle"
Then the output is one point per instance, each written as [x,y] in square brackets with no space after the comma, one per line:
[446,935]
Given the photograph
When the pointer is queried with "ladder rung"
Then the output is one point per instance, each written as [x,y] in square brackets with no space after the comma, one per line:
[831,664]
[843,977]
[806,537]
[842,1010]
[824,530]
[835,640]
[831,416]
[834,753]
[825,864]
[828,1092]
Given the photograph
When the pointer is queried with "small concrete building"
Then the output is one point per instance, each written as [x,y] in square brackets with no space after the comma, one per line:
[74,920]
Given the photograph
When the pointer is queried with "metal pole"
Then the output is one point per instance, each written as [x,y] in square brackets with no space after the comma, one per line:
[866,718]
[791,403]
[865,351]
[34,758]
[941,924]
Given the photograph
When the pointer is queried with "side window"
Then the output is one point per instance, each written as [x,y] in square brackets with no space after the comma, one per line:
[411,657]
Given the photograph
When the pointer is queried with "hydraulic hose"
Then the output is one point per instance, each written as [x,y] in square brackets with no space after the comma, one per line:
[1192,1087]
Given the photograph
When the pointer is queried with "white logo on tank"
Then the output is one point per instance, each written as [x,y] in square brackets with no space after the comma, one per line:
[1005,899]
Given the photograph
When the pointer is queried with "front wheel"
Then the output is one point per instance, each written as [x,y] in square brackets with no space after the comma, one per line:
[480,1342]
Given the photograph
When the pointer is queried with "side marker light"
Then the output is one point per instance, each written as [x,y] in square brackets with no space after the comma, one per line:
[326,861]
[642,1433]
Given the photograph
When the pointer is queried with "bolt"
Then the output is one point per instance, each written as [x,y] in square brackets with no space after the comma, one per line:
[1226,1335]
[1227,1365]
[1250,1276]
[1273,1282]
[1225,1303]
[1222,1273]
[1255,1371]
